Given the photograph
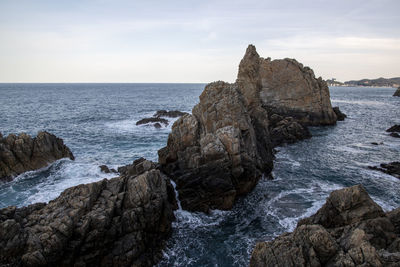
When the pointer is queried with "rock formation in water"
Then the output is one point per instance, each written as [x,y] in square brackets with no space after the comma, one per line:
[23,153]
[118,222]
[397,93]
[349,230]
[153,120]
[392,168]
[223,148]
[339,114]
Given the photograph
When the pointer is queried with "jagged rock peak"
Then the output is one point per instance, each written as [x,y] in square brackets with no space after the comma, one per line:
[286,87]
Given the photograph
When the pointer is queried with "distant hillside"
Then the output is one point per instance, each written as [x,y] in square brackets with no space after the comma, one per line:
[381,82]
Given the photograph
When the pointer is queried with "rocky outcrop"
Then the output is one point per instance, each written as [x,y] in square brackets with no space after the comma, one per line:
[397,93]
[349,230]
[221,151]
[23,153]
[392,168]
[105,169]
[285,87]
[155,121]
[339,114]
[119,222]
[394,128]
[169,114]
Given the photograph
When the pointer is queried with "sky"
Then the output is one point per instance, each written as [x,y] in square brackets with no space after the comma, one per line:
[193,41]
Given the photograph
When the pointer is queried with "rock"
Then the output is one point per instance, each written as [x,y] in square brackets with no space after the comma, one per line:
[395,135]
[221,151]
[394,128]
[349,230]
[286,130]
[105,169]
[397,93]
[152,120]
[392,168]
[157,125]
[23,153]
[285,87]
[119,222]
[169,114]
[138,166]
[340,115]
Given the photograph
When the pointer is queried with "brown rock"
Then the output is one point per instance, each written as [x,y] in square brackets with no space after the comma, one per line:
[169,114]
[392,168]
[152,120]
[222,150]
[22,153]
[349,230]
[285,87]
[339,114]
[119,222]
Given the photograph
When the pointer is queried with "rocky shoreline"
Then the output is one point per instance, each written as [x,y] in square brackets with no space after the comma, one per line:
[214,155]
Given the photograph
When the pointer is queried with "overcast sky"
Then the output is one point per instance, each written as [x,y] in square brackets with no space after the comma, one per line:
[193,41]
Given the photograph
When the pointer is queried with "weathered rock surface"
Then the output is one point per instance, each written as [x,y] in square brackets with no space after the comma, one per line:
[397,93]
[392,168]
[349,230]
[23,153]
[169,114]
[285,87]
[119,222]
[153,120]
[339,114]
[221,151]
[286,130]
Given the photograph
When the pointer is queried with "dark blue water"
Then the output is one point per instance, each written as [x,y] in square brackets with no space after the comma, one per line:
[97,121]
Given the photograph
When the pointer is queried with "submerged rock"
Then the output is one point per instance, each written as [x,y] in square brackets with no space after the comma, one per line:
[221,151]
[119,222]
[395,135]
[152,120]
[339,114]
[392,168]
[169,114]
[23,153]
[394,128]
[349,230]
[397,93]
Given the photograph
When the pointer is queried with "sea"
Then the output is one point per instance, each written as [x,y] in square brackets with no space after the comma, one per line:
[98,123]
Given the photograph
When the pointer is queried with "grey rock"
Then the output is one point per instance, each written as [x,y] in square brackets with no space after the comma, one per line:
[397,93]
[169,114]
[23,153]
[152,120]
[119,222]
[394,128]
[349,230]
[392,168]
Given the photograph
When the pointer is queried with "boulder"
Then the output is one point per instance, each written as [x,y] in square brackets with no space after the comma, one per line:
[23,153]
[123,221]
[349,230]
[224,147]
[396,135]
[169,114]
[105,169]
[397,93]
[339,114]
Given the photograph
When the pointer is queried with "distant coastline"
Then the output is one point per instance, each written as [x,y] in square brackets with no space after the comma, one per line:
[380,82]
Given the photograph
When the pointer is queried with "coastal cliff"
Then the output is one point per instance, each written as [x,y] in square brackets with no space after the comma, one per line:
[118,222]
[23,153]
[349,230]
[221,151]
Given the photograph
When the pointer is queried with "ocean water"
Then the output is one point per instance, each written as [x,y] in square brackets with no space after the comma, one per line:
[97,121]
